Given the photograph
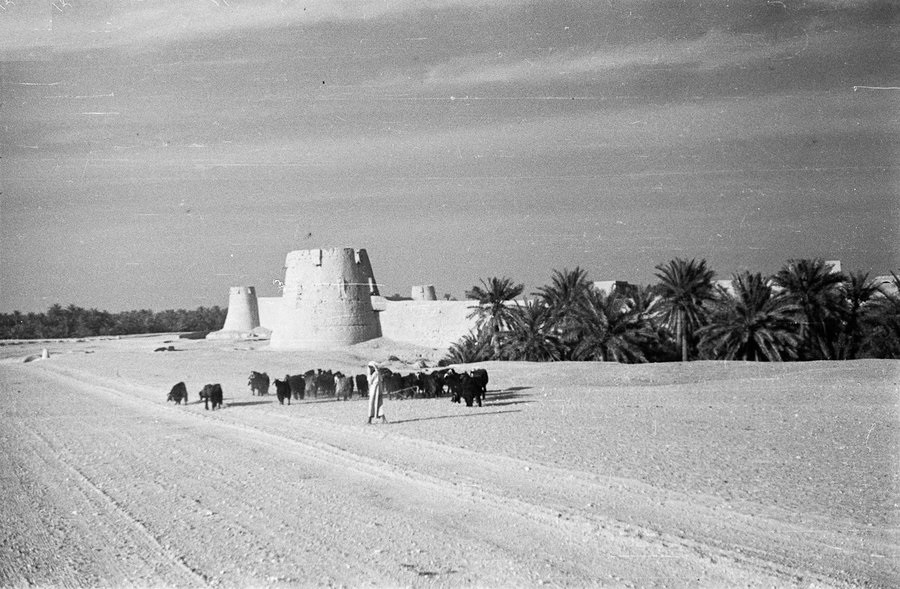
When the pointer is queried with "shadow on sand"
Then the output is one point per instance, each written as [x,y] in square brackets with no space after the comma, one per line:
[503,403]
[248,403]
[473,414]
[505,394]
[312,400]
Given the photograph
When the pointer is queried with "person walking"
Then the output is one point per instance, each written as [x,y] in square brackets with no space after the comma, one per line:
[376,390]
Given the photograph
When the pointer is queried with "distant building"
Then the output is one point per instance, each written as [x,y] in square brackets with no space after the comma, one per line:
[608,286]
[886,285]
[726,285]
[605,285]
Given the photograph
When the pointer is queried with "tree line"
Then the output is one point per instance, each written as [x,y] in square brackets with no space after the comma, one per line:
[805,311]
[72,321]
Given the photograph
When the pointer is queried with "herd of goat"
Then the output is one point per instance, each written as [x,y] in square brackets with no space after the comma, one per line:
[469,387]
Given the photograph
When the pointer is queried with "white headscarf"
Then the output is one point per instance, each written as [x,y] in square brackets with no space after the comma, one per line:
[375,377]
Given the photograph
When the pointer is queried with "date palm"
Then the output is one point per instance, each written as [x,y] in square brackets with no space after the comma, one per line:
[493,312]
[563,296]
[644,300]
[472,347]
[641,299]
[610,329]
[531,337]
[818,292]
[755,324]
[685,289]
[881,323]
[859,291]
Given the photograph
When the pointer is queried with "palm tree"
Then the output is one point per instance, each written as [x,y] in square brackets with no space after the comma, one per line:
[566,290]
[563,296]
[472,347]
[531,335]
[641,299]
[881,323]
[755,324]
[645,300]
[818,292]
[56,322]
[17,327]
[684,289]
[858,291]
[493,312]
[610,329]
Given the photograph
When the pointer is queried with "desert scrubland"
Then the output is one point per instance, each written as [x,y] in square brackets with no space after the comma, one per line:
[704,474]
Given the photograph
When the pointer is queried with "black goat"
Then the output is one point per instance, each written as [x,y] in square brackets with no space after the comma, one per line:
[178,394]
[258,383]
[283,390]
[212,394]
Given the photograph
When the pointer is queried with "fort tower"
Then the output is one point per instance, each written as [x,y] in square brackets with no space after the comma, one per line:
[243,313]
[423,292]
[327,300]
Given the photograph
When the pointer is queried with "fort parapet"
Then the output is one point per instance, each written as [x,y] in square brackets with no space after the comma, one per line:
[327,300]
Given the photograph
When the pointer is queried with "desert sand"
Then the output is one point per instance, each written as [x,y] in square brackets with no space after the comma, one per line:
[706,474]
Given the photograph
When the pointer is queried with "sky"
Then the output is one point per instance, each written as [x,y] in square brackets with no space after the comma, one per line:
[154,153]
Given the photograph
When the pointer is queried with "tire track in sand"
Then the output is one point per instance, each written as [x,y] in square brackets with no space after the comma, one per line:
[119,526]
[631,515]
[485,480]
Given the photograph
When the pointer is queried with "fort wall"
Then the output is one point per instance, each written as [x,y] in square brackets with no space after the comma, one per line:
[434,324]
[269,311]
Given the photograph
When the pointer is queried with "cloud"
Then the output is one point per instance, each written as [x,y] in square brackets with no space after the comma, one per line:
[714,50]
[564,141]
[80,24]
[76,25]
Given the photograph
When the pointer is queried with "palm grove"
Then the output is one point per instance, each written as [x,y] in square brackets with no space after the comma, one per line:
[73,321]
[803,312]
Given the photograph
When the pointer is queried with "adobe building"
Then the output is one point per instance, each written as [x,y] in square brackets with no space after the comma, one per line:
[326,301]
[604,285]
[886,285]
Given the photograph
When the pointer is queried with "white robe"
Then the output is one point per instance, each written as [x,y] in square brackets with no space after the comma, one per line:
[376,389]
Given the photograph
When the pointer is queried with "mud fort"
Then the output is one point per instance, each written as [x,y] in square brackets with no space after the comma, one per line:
[330,299]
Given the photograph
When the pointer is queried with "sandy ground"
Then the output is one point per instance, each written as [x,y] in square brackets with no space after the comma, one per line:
[572,474]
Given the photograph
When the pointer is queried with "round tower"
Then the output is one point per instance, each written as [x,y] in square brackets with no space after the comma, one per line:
[243,309]
[327,300]
[242,316]
[424,292]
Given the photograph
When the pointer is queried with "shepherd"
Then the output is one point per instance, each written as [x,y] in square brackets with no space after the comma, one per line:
[376,390]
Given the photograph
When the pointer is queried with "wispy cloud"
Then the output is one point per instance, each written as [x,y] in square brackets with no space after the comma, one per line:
[715,49]
[77,25]
[559,143]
